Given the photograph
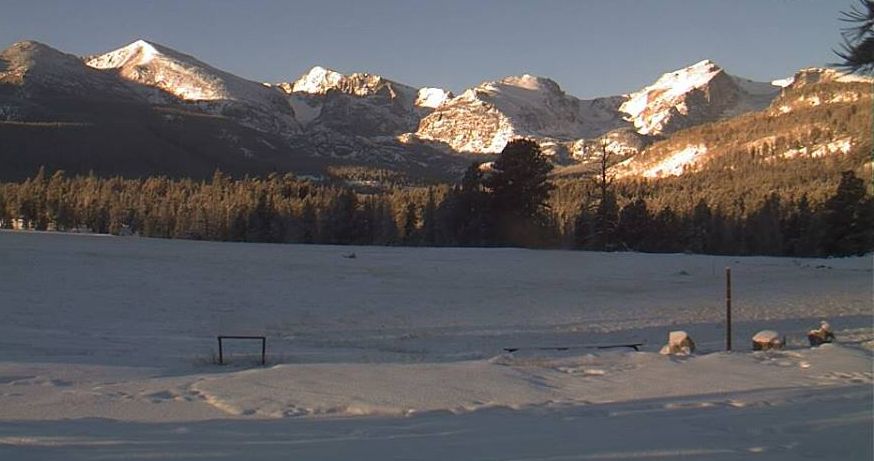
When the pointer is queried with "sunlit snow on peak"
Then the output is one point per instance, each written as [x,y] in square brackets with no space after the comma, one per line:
[317,81]
[137,53]
[432,97]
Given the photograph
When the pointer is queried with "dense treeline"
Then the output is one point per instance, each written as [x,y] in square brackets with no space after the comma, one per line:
[738,204]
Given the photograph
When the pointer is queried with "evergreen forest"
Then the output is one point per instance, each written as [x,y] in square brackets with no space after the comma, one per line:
[740,204]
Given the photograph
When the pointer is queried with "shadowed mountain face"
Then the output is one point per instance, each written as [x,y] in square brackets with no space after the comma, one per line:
[59,113]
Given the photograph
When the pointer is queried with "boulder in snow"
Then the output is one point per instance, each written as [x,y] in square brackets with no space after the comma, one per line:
[821,335]
[767,340]
[679,342]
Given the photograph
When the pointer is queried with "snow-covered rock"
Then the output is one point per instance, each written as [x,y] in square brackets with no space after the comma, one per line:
[821,335]
[679,343]
[767,340]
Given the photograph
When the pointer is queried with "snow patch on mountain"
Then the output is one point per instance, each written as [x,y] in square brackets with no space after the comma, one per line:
[783,82]
[674,164]
[305,110]
[432,97]
[838,146]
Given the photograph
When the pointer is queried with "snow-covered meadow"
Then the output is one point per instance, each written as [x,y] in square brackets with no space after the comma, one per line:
[107,350]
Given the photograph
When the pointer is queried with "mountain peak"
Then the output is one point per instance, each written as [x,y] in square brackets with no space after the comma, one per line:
[705,63]
[183,77]
[650,108]
[137,53]
[30,44]
[692,76]
[317,80]
[530,82]
[33,48]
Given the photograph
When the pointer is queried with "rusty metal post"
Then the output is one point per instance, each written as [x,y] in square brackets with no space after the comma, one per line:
[728,308]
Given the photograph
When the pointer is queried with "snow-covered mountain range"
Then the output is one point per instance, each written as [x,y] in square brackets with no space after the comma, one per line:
[364,118]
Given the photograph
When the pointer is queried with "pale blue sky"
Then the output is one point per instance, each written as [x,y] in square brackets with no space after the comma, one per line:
[590,47]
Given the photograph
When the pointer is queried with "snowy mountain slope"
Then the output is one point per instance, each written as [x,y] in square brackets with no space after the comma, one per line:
[483,119]
[31,65]
[820,113]
[185,78]
[702,92]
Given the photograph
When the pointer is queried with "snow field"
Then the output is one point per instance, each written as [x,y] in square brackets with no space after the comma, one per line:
[107,345]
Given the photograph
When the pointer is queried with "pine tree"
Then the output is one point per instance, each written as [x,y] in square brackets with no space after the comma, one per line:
[848,218]
[410,224]
[429,220]
[634,224]
[518,190]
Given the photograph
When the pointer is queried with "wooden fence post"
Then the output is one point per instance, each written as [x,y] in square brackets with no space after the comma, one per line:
[728,308]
